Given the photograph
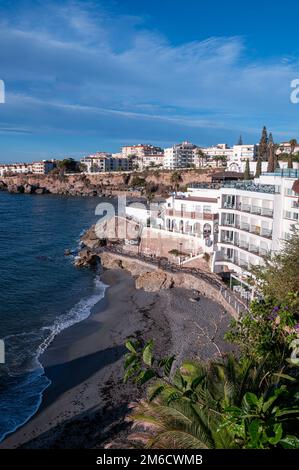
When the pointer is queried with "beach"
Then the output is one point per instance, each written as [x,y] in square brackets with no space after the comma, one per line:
[87,400]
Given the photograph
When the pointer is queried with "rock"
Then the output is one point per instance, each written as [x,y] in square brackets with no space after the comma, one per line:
[110,262]
[40,191]
[3,186]
[154,281]
[67,252]
[15,188]
[85,258]
[29,189]
[91,240]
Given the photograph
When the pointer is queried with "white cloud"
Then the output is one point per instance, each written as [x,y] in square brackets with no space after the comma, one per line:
[80,70]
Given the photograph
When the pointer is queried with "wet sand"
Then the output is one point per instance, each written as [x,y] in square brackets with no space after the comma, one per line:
[87,400]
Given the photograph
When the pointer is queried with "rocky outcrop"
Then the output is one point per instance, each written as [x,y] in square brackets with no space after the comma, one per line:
[86,258]
[90,240]
[154,281]
[101,184]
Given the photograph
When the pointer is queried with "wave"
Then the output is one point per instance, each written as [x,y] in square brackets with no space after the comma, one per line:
[22,379]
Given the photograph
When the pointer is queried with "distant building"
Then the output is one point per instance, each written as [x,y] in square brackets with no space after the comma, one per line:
[180,156]
[14,168]
[285,147]
[41,168]
[238,223]
[145,155]
[141,150]
[105,162]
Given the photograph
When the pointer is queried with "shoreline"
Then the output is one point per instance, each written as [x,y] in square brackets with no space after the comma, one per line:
[87,400]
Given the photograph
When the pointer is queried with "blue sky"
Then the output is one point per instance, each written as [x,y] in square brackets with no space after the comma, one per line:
[83,76]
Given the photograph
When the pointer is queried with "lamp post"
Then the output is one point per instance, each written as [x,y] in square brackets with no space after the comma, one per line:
[181,244]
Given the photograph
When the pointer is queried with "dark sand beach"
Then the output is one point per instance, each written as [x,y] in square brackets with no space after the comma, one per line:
[87,400]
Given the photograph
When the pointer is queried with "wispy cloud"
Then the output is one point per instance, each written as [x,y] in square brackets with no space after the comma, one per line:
[74,68]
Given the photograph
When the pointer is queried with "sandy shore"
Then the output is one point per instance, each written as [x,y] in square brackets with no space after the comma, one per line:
[87,400]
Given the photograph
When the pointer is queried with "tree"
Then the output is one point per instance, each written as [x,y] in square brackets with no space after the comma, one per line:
[271,324]
[200,156]
[203,405]
[271,150]
[293,145]
[247,170]
[175,179]
[240,141]
[68,165]
[258,170]
[283,265]
[263,146]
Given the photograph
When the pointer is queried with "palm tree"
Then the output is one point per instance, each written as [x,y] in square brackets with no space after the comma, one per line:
[293,145]
[175,179]
[188,412]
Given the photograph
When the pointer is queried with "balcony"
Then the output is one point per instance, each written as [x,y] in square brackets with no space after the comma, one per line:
[244,245]
[245,227]
[267,212]
[256,210]
[192,215]
[267,233]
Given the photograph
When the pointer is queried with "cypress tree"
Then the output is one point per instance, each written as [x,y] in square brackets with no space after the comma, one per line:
[276,164]
[258,170]
[271,149]
[240,141]
[247,170]
[263,147]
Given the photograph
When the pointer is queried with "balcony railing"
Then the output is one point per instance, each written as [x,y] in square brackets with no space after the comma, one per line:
[254,229]
[192,215]
[256,210]
[243,245]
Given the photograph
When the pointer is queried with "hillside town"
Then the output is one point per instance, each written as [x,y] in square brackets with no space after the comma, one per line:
[226,221]
[184,155]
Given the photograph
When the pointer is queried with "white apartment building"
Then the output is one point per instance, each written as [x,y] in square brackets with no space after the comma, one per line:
[41,168]
[105,162]
[14,168]
[254,219]
[151,160]
[141,150]
[218,150]
[194,214]
[237,223]
[180,156]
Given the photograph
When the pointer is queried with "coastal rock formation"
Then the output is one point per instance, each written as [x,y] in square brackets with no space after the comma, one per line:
[91,240]
[154,281]
[100,184]
[85,258]
[111,261]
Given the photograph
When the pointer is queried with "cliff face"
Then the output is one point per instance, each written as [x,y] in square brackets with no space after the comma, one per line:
[107,184]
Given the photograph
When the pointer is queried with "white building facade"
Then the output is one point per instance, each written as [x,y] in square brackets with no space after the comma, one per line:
[180,156]
[106,162]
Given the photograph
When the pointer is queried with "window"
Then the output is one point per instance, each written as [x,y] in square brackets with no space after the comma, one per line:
[207,209]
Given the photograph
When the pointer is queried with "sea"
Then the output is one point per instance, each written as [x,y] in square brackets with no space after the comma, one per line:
[41,292]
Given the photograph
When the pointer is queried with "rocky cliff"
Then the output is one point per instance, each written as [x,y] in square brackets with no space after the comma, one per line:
[106,184]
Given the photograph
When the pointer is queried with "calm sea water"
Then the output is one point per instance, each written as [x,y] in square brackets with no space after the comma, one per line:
[41,292]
